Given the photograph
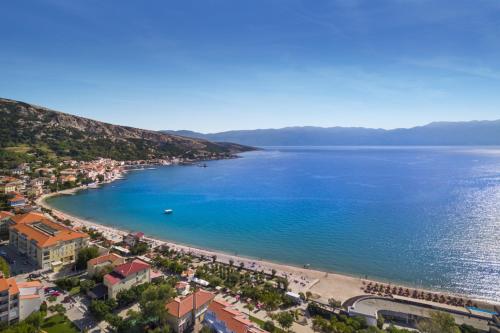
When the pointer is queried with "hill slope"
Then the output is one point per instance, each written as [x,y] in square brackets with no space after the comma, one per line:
[65,135]
[439,133]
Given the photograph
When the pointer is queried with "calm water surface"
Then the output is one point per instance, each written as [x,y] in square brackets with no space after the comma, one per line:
[423,216]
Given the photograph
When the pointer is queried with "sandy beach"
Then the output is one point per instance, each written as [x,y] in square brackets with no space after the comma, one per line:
[323,285]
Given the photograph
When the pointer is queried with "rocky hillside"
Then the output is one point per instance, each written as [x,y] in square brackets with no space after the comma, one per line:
[65,135]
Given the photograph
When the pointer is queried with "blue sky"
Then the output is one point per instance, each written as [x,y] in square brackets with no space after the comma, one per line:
[213,65]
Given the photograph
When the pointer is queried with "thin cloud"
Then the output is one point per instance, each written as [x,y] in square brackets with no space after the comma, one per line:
[457,67]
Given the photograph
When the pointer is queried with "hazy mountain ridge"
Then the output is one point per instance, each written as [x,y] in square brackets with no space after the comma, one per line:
[483,132]
[73,136]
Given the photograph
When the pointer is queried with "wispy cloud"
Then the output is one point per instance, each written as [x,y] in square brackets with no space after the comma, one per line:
[456,66]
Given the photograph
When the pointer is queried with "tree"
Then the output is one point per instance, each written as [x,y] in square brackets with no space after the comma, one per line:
[269,326]
[43,307]
[380,321]
[285,319]
[333,303]
[152,302]
[59,308]
[99,309]
[439,322]
[35,319]
[86,285]
[139,248]
[85,255]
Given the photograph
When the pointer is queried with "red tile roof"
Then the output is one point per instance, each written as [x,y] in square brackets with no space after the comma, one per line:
[131,267]
[235,321]
[179,307]
[122,271]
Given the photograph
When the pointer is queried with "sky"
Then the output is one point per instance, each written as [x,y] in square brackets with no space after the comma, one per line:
[215,65]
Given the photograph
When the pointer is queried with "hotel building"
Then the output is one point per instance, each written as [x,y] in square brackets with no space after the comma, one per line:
[49,244]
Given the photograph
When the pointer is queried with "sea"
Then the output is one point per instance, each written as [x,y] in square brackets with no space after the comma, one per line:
[423,216]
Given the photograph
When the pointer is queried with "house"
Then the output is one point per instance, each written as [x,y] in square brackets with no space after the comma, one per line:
[9,184]
[133,238]
[126,276]
[45,242]
[188,274]
[9,301]
[182,288]
[223,318]
[96,264]
[31,296]
[16,200]
[186,311]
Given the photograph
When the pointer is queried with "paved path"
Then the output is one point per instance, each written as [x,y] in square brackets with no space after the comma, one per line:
[262,314]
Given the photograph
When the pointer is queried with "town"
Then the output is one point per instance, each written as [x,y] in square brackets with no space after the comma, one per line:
[59,275]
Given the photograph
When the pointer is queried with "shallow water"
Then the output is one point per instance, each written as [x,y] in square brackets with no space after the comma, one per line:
[423,216]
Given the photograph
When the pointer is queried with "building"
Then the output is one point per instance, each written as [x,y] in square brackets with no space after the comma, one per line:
[4,223]
[126,276]
[16,200]
[96,264]
[9,300]
[31,296]
[49,244]
[186,311]
[133,239]
[182,288]
[223,318]
[9,184]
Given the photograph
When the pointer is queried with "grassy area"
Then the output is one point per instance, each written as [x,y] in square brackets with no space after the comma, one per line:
[260,322]
[59,324]
[4,267]
[18,149]
[74,291]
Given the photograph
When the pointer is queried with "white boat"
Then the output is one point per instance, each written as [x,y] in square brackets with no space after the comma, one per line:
[168,211]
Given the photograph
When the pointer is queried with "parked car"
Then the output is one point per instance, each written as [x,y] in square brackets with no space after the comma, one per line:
[34,276]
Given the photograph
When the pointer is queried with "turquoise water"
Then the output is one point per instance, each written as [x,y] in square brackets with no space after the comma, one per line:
[423,216]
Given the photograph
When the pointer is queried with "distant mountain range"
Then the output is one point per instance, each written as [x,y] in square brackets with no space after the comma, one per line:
[25,126]
[437,133]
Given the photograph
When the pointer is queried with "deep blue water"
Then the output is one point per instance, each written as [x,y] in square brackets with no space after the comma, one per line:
[424,216]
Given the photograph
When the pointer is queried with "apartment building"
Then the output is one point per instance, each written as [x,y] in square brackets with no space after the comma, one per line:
[49,244]
[126,276]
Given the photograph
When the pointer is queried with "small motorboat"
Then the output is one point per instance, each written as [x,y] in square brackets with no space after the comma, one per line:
[169,211]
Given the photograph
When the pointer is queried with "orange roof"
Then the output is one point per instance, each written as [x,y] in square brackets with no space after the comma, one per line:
[179,307]
[235,321]
[44,231]
[8,179]
[28,217]
[10,285]
[16,197]
[112,258]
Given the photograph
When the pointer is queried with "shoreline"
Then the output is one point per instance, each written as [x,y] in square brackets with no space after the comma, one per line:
[322,284]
